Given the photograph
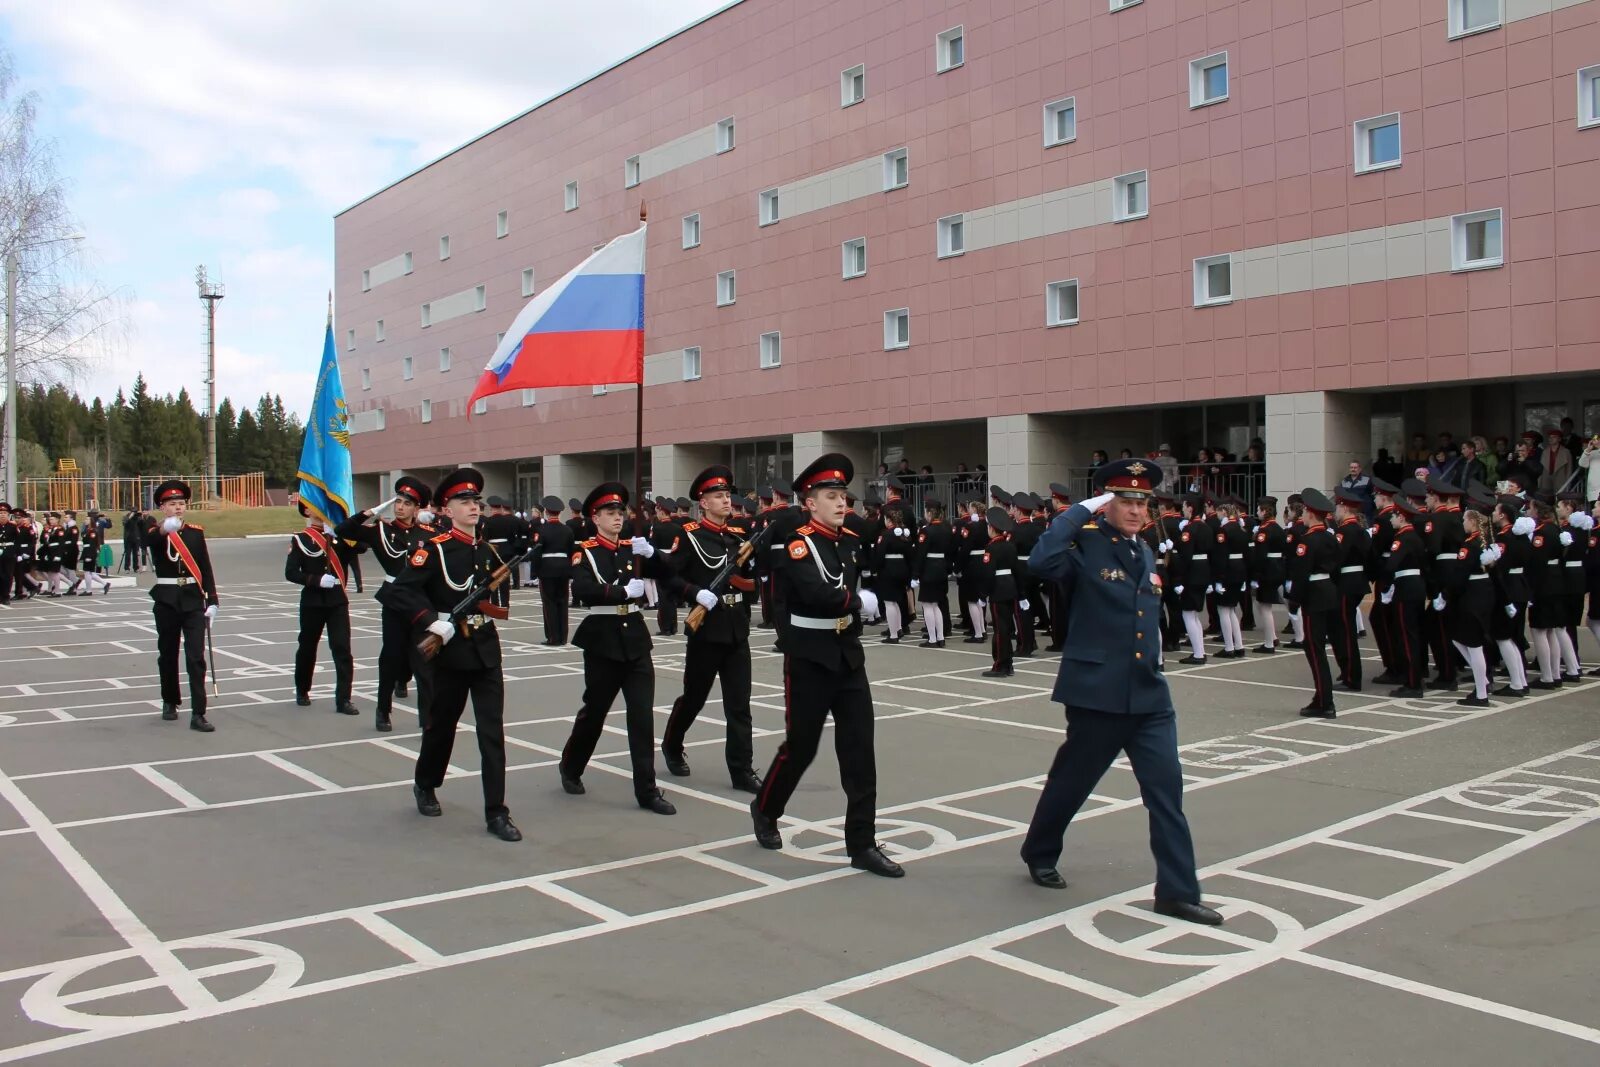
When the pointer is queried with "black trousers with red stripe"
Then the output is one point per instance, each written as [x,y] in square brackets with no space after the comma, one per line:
[1346,645]
[1027,642]
[1383,634]
[1319,626]
[1003,639]
[810,692]
[1409,651]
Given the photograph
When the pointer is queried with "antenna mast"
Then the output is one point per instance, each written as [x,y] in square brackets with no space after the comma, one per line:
[210,293]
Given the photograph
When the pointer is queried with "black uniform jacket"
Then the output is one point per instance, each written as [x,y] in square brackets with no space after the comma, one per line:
[600,573]
[552,549]
[440,572]
[168,562]
[704,550]
[819,579]
[391,542]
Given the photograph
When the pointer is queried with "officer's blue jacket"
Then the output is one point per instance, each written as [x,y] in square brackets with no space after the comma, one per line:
[1113,641]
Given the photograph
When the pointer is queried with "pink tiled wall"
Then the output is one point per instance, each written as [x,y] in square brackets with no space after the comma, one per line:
[1488,121]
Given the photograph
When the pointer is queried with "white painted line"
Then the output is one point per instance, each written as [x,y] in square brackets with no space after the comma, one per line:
[721,863]
[1389,853]
[396,938]
[298,771]
[1515,831]
[1054,977]
[168,786]
[1299,887]
[980,816]
[881,1035]
[572,898]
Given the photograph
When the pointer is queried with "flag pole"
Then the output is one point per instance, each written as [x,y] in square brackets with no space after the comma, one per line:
[639,523]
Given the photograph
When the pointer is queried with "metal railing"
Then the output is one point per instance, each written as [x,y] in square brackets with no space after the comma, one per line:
[1246,481]
[81,492]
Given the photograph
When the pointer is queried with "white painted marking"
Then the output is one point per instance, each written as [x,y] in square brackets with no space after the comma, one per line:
[1054,977]
[1300,887]
[1388,853]
[881,1035]
[573,898]
[298,771]
[168,786]
[396,938]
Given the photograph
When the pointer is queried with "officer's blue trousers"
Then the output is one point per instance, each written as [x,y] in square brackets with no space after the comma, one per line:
[1094,740]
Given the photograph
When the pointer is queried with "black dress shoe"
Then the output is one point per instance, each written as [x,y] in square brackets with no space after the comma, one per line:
[767,835]
[1265,650]
[1508,691]
[890,641]
[1473,702]
[198,721]
[1540,683]
[1444,685]
[347,708]
[1385,679]
[931,644]
[1048,877]
[572,785]
[502,827]
[745,781]
[169,712]
[1572,678]
[1406,692]
[303,700]
[998,674]
[1350,687]
[1057,648]
[383,723]
[873,861]
[427,803]
[975,641]
[1197,660]
[1297,645]
[675,761]
[402,690]
[1595,673]
[654,801]
[1317,711]
[1192,913]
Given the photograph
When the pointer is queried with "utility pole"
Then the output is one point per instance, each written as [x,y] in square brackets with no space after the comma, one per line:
[210,293]
[10,442]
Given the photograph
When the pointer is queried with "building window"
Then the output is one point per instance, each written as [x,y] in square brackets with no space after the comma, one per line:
[444,247]
[952,235]
[630,172]
[1213,280]
[570,197]
[769,207]
[1589,97]
[366,377]
[1060,122]
[480,298]
[407,371]
[408,262]
[527,398]
[527,281]
[1122,5]
[1130,196]
[896,329]
[350,340]
[444,360]
[727,289]
[725,135]
[366,281]
[1061,303]
[427,315]
[1475,16]
[691,364]
[855,257]
[377,331]
[1476,240]
[501,336]
[853,85]
[480,405]
[1378,143]
[950,49]
[771,349]
[896,169]
[502,224]
[691,231]
[1208,80]
[599,390]
[427,411]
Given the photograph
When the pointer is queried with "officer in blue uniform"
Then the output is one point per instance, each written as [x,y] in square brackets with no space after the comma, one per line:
[1110,682]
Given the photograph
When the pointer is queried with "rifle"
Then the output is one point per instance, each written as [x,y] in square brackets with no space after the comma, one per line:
[430,645]
[211,650]
[747,550]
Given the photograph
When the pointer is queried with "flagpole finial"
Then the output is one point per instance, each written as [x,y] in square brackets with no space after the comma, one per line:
[641,211]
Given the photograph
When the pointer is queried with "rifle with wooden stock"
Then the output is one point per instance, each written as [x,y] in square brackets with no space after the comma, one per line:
[747,551]
[475,604]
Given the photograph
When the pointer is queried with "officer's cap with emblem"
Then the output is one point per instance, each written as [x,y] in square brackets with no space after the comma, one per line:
[764,492]
[551,503]
[1513,504]
[463,483]
[412,489]
[1316,501]
[779,494]
[1381,486]
[496,502]
[714,478]
[1000,496]
[1440,488]
[172,489]
[666,504]
[1408,508]
[1268,502]
[1342,495]
[1060,492]
[873,499]
[1413,488]
[832,471]
[606,495]
[683,503]
[1000,521]
[1127,477]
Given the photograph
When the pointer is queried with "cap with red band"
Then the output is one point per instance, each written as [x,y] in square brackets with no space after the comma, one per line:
[412,489]
[713,479]
[172,489]
[606,495]
[1127,477]
[464,483]
[832,471]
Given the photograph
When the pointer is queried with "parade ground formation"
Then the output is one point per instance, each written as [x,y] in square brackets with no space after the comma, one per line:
[1413,882]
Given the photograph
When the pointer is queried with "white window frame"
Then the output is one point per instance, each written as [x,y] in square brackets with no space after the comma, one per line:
[1052,111]
[691,363]
[691,230]
[725,135]
[502,224]
[408,369]
[848,97]
[350,340]
[1458,241]
[366,281]
[427,315]
[480,406]
[1052,298]
[891,169]
[445,359]
[847,264]
[768,208]
[943,49]
[1203,296]
[1589,97]
[1363,143]
[444,247]
[771,350]
[1197,79]
[1119,196]
[377,330]
[1457,20]
[600,390]
[892,321]
[727,288]
[427,411]
[366,377]
[528,398]
[408,262]
[630,172]
[569,197]
[947,247]
[481,298]
[529,282]
[1123,5]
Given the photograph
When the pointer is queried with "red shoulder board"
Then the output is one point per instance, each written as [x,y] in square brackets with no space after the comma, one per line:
[419,557]
[591,543]
[806,529]
[737,529]
[194,526]
[848,532]
[798,550]
[441,539]
[690,527]
[1300,549]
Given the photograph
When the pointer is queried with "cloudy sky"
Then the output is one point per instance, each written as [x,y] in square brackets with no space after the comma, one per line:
[229,132]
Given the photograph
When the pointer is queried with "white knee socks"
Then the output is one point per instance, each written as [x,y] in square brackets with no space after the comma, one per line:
[1265,615]
[1299,626]
[1231,622]
[1511,656]
[976,612]
[1544,651]
[1480,668]
[1569,653]
[1196,632]
[933,622]
[891,612]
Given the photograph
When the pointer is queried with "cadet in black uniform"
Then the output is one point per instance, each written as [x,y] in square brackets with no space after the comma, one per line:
[553,545]
[891,564]
[1574,538]
[931,564]
[1382,614]
[1024,535]
[185,596]
[1355,543]
[1267,573]
[9,538]
[1442,537]
[314,565]
[442,570]
[392,543]
[1311,590]
[1468,600]
[1060,500]
[824,669]
[1116,699]
[971,537]
[499,530]
[1405,594]
[1509,616]
[721,646]
[997,589]
[608,577]
[1191,573]
[666,537]
[1231,572]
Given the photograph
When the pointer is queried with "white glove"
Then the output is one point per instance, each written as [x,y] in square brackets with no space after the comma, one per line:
[1582,521]
[1094,504]
[1217,587]
[706,599]
[72,524]
[171,524]
[443,628]
[1438,602]
[1488,557]
[1255,585]
[1287,587]
[1283,590]
[916,583]
[329,582]
[1178,590]
[642,547]
[1523,526]
[1388,595]
[327,528]
[1183,524]
[1566,539]
[1023,604]
[1164,547]
[983,603]
[426,517]
[211,613]
[634,588]
[1511,611]
[1372,531]
[869,604]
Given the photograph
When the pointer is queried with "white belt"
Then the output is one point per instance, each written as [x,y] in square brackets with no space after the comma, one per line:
[893,555]
[999,573]
[806,622]
[1514,570]
[1574,562]
[1239,555]
[1477,577]
[1317,578]
[976,552]
[177,581]
[1274,555]
[498,540]
[388,577]
[1352,570]
[614,609]
[1445,555]
[933,555]
[1022,559]
[1552,563]
[1410,572]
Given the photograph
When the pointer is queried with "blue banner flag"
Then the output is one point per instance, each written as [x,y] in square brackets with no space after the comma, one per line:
[326,487]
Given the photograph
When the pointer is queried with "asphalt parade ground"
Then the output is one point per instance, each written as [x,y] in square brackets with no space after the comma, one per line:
[1413,882]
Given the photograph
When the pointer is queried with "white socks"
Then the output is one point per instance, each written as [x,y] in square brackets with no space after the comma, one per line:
[1299,626]
[1511,656]
[1231,622]
[1265,615]
[933,621]
[976,612]
[1196,632]
[1544,650]
[1480,668]
[1569,653]
[891,612]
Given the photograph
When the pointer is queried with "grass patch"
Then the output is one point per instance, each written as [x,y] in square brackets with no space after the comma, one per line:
[238,522]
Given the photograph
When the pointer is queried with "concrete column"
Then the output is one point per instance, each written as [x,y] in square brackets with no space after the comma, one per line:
[1028,451]
[672,467]
[499,479]
[1312,437]
[573,475]
[857,445]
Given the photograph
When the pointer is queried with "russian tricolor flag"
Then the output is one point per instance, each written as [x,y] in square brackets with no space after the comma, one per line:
[586,329]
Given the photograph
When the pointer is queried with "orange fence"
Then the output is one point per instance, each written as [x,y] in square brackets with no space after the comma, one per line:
[78,492]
